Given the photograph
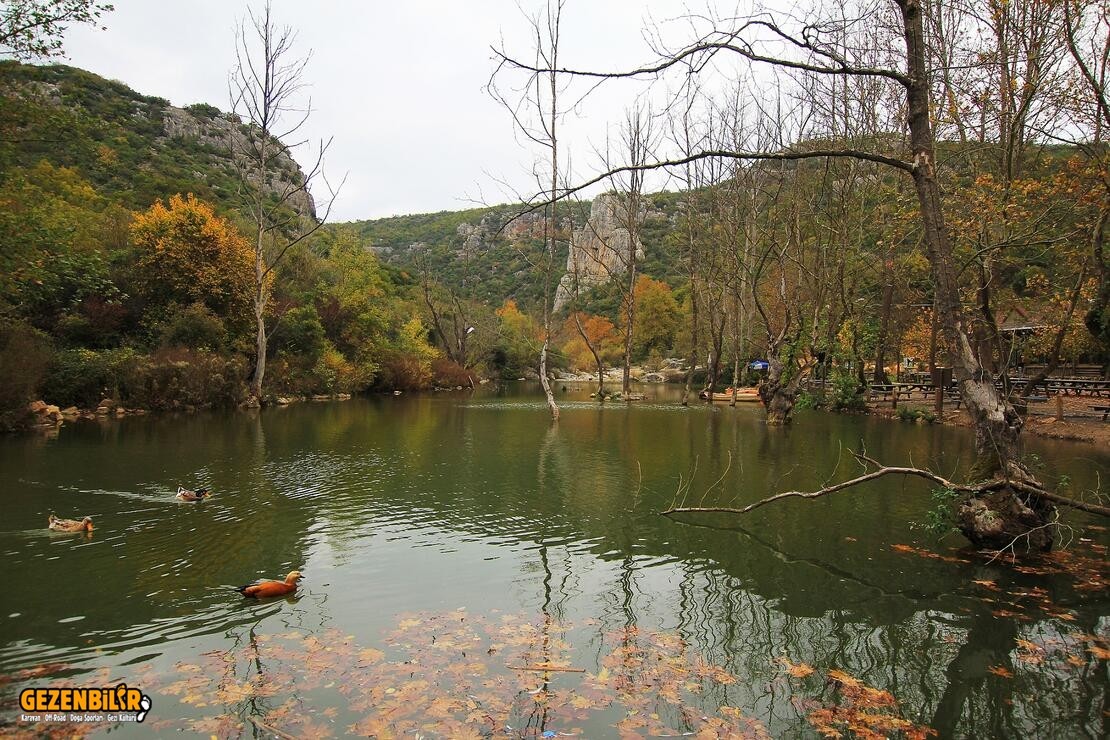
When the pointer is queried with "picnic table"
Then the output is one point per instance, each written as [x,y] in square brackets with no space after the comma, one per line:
[901,390]
[1069,386]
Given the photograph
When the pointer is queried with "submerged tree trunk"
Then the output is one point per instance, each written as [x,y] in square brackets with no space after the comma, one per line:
[590,346]
[545,381]
[629,318]
[693,356]
[1004,517]
[779,390]
[737,325]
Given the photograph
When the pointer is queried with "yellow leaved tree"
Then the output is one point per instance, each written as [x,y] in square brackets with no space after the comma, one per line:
[188,255]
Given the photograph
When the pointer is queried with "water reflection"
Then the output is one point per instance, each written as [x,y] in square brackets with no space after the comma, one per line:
[438,503]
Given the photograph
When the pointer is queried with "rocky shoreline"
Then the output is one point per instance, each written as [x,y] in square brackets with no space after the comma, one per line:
[42,416]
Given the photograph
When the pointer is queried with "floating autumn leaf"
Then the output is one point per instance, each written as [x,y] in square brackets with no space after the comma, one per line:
[1008,613]
[1099,652]
[986,584]
[370,655]
[863,710]
[1030,652]
[921,552]
[1002,671]
[45,669]
[797,670]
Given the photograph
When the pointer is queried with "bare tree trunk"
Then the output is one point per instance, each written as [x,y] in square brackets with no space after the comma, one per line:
[263,86]
[779,390]
[260,328]
[933,339]
[551,245]
[629,317]
[737,324]
[590,346]
[692,356]
[545,381]
[998,518]
[575,277]
[260,287]
[880,375]
[716,347]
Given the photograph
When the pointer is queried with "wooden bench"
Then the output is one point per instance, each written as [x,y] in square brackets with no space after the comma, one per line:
[881,390]
[1104,409]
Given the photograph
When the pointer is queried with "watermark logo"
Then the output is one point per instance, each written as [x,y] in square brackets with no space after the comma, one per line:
[113,704]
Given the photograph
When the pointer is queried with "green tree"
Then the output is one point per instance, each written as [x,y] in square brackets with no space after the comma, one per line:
[518,340]
[52,227]
[33,29]
[657,317]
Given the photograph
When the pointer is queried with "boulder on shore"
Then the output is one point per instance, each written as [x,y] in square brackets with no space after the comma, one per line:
[44,414]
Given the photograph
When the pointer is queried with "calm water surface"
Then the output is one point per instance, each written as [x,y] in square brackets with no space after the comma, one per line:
[447,537]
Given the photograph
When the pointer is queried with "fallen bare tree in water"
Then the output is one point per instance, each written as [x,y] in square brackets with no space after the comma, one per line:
[1030,496]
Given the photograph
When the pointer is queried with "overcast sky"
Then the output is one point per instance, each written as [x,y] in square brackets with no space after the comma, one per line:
[399,85]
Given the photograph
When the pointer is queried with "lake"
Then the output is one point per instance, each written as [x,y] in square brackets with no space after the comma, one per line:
[472,570]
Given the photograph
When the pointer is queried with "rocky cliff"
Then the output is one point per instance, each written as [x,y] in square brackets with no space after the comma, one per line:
[600,250]
[133,148]
[223,133]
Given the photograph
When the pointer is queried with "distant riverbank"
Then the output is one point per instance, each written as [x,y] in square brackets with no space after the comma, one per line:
[1079,424]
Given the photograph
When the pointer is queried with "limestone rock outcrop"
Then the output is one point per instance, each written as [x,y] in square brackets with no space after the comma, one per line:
[225,134]
[599,250]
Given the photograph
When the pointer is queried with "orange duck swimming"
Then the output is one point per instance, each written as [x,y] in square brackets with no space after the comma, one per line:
[198,495]
[69,525]
[268,589]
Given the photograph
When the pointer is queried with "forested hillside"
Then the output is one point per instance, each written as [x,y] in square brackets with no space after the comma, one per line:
[126,263]
[125,266]
[1033,237]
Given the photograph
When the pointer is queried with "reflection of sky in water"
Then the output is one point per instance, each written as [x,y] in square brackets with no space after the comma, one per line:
[431,504]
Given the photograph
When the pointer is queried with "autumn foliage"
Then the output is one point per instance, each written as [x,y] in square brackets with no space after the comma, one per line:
[188,254]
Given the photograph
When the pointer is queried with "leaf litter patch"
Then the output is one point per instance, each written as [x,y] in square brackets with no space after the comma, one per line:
[498,675]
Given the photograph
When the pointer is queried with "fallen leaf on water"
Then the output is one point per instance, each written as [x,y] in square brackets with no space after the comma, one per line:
[797,670]
[863,711]
[1099,652]
[999,670]
[1006,613]
[370,655]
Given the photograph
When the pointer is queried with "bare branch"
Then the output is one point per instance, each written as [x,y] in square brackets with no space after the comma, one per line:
[884,470]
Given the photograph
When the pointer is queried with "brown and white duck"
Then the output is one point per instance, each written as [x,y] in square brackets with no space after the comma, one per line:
[198,495]
[70,525]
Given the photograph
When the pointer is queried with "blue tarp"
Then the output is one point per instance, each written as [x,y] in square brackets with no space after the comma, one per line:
[758,365]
